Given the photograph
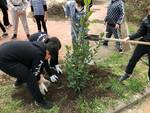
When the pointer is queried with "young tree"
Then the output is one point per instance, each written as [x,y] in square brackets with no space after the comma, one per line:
[77,60]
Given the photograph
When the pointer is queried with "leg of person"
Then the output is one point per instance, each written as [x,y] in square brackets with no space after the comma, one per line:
[44,24]
[3,29]
[108,34]
[148,48]
[5,16]
[15,23]
[23,73]
[23,19]
[117,35]
[37,18]
[138,53]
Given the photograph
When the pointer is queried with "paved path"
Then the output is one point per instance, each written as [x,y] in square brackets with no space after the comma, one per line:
[142,107]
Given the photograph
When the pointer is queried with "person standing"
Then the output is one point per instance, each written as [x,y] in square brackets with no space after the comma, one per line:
[74,9]
[4,9]
[113,20]
[140,50]
[19,11]
[39,10]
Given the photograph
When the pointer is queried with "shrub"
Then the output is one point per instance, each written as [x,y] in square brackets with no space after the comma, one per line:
[135,10]
[55,10]
[76,61]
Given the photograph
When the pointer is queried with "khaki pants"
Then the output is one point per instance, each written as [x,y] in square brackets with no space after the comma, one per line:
[23,19]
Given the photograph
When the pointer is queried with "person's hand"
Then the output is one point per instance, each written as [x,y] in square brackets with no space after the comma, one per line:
[105,22]
[53,78]
[58,69]
[45,81]
[20,12]
[125,39]
[43,88]
[45,16]
[117,26]
[33,18]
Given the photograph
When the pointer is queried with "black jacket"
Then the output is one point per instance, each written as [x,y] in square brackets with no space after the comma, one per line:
[3,3]
[143,31]
[31,55]
[40,36]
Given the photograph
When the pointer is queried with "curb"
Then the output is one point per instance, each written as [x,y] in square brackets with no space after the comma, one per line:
[135,101]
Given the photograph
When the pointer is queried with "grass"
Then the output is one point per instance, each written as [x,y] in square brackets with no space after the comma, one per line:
[135,84]
[132,27]
[94,106]
[97,104]
[10,105]
[116,62]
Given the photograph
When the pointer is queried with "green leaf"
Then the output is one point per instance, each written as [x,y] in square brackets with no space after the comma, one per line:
[87,2]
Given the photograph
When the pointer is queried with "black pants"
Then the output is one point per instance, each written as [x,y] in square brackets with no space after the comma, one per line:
[5,15]
[111,30]
[139,51]
[40,21]
[23,74]
[2,27]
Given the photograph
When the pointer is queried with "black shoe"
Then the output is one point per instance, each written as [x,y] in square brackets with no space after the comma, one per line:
[18,84]
[4,34]
[124,77]
[28,36]
[105,43]
[14,36]
[44,104]
[120,51]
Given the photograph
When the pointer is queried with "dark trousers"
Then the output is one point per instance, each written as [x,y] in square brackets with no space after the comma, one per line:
[139,51]
[23,74]
[110,29]
[5,15]
[2,27]
[40,22]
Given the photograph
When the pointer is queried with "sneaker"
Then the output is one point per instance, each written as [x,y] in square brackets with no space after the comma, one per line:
[14,36]
[28,36]
[45,104]
[120,51]
[124,77]
[4,34]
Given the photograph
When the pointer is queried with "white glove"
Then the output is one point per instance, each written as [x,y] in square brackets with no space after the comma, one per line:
[43,88]
[58,69]
[45,81]
[53,78]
